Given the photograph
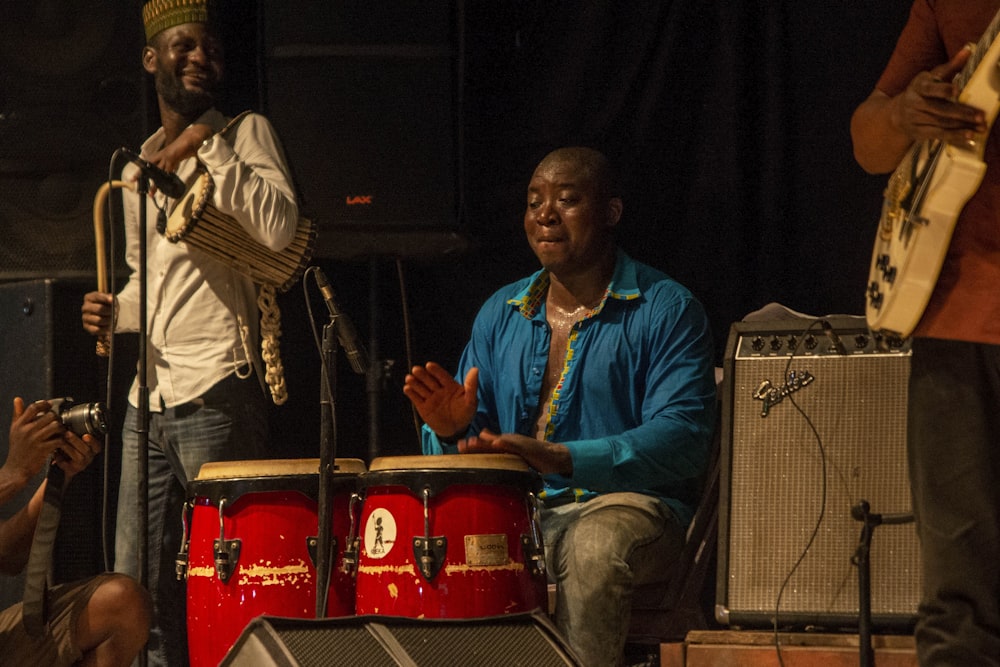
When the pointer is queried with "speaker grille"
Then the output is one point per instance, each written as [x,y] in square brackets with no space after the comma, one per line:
[497,644]
[321,649]
[849,419]
[518,640]
[366,96]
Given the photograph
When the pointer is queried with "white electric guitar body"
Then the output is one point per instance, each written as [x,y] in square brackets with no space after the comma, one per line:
[922,202]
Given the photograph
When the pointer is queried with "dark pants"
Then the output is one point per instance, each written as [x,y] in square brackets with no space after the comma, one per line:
[954,458]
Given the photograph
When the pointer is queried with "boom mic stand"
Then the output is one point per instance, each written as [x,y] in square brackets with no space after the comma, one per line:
[142,430]
[862,558]
[327,461]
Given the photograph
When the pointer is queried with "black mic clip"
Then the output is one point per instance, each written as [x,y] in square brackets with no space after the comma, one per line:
[346,333]
[166,182]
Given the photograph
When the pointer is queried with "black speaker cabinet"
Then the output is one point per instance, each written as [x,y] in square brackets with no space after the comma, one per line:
[366,97]
[806,437]
[63,118]
[528,640]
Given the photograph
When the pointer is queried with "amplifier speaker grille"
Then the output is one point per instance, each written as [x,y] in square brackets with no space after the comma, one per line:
[377,641]
[847,420]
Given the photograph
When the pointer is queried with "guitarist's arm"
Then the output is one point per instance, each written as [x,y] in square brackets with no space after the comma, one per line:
[35,434]
[883,128]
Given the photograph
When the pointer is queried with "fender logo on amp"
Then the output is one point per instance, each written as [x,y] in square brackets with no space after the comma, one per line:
[362,200]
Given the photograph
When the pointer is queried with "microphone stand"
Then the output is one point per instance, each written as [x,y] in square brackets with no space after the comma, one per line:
[327,462]
[862,559]
[142,430]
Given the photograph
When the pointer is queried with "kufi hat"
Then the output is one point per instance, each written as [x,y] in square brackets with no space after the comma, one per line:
[158,15]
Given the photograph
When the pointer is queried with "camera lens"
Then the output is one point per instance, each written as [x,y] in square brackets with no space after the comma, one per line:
[82,419]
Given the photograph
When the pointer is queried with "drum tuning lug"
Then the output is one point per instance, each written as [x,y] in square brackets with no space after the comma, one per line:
[534,555]
[430,552]
[312,546]
[227,554]
[350,558]
[180,564]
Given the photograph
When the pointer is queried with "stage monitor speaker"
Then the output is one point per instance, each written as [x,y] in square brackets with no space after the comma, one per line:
[809,431]
[366,98]
[529,640]
[44,353]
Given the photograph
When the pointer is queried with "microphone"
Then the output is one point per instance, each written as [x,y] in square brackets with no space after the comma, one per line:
[346,333]
[835,341]
[167,183]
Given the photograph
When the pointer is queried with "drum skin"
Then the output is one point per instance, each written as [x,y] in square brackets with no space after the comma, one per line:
[481,505]
[273,516]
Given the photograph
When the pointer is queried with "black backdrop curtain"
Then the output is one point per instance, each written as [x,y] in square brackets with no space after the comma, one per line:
[729,121]
[728,118]
[730,124]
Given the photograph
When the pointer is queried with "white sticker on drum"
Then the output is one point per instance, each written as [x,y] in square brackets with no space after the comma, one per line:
[485,550]
[380,533]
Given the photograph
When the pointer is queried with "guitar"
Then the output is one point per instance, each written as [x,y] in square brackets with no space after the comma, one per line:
[922,202]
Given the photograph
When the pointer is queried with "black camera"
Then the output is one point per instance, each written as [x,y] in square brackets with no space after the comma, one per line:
[83,418]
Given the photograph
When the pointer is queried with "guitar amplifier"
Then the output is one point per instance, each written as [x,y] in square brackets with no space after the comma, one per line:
[814,422]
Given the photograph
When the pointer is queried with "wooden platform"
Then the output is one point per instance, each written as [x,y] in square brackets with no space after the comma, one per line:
[732,648]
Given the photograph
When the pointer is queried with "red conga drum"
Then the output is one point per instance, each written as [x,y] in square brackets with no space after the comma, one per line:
[252,529]
[449,536]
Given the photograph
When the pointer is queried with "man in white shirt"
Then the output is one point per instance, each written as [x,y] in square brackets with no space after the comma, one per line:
[202,314]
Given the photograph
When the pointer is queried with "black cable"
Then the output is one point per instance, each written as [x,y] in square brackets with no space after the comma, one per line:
[822,511]
[407,342]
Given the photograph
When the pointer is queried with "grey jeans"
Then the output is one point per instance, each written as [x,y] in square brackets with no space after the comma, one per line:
[597,552]
[227,423]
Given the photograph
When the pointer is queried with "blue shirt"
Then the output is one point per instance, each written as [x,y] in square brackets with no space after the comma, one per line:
[635,403]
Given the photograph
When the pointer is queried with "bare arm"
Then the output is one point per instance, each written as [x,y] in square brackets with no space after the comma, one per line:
[35,434]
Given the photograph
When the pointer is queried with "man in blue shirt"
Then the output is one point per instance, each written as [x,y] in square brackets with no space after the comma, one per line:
[598,371]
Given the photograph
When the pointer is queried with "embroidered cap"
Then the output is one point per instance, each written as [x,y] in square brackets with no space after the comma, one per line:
[158,15]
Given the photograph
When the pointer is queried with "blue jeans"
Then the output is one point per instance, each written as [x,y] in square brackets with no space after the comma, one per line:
[953,440]
[227,423]
[597,552]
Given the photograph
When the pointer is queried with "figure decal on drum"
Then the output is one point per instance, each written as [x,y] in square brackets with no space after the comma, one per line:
[380,534]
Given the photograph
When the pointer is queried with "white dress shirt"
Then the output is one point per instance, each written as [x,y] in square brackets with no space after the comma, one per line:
[202,314]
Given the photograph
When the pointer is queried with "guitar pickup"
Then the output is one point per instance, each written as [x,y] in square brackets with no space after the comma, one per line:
[874,295]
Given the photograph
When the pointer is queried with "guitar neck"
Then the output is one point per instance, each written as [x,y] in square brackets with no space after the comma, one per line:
[982,46]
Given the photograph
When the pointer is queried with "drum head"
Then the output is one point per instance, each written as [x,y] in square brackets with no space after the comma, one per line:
[438,472]
[233,479]
[273,468]
[189,208]
[451,462]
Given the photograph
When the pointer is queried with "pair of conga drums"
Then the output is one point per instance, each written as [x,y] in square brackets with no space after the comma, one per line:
[450,536]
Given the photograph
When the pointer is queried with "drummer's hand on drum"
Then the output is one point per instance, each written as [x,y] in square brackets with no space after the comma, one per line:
[446,406]
[98,312]
[545,457]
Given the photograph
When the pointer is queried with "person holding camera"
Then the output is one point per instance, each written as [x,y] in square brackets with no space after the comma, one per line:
[103,620]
